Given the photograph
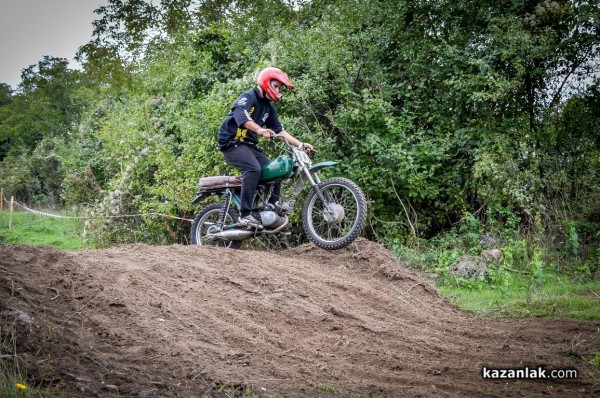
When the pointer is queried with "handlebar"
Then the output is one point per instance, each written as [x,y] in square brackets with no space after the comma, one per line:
[281,137]
[287,142]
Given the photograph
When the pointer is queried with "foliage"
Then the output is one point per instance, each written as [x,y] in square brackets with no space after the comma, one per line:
[482,115]
[34,176]
[47,103]
[36,122]
[538,275]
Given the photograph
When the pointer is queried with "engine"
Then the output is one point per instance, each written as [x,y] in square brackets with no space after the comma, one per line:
[271,220]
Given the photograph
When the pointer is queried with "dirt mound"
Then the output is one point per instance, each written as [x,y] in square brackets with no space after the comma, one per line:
[186,321]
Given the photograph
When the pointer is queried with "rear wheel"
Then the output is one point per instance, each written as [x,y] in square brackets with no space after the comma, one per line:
[207,222]
[337,221]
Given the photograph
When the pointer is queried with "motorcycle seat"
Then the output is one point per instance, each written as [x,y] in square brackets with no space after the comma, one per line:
[218,182]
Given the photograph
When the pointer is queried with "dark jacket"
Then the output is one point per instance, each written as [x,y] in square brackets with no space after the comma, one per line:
[249,106]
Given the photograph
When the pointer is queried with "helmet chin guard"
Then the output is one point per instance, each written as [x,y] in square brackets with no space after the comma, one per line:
[264,81]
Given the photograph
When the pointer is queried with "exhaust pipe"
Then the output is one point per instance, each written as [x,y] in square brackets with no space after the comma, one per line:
[243,234]
[232,234]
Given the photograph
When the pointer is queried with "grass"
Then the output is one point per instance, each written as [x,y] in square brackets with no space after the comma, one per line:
[325,388]
[557,298]
[594,362]
[13,389]
[34,229]
[14,381]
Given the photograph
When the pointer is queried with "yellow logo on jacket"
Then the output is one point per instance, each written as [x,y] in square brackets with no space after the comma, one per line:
[241,134]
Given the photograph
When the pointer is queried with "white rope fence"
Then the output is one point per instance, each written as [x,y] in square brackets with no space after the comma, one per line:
[13,202]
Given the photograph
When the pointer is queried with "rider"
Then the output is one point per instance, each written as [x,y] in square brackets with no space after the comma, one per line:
[251,115]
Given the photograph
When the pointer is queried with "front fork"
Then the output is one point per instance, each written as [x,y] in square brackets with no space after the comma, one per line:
[314,182]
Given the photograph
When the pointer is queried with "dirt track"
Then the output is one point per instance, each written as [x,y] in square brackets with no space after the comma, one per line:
[184,321]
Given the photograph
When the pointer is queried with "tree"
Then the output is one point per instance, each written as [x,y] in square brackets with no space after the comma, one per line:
[44,106]
[35,120]
[436,108]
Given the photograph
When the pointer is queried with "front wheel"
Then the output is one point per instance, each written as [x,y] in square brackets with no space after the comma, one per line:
[207,222]
[335,222]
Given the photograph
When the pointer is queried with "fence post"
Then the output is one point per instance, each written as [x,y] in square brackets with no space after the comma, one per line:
[1,199]
[12,199]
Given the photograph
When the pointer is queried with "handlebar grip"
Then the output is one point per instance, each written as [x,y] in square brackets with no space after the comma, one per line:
[281,137]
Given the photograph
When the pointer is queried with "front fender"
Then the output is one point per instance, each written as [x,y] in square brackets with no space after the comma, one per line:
[321,165]
[312,170]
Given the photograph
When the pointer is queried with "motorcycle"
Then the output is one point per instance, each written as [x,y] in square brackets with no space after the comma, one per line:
[333,213]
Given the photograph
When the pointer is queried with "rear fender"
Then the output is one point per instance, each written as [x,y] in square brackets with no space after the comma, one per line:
[312,170]
[202,195]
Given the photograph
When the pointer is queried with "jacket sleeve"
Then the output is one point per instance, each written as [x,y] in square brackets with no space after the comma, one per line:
[242,109]
[273,122]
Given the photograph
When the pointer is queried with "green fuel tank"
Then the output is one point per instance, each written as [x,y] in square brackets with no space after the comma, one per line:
[279,168]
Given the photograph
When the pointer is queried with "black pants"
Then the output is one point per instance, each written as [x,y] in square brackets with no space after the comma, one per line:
[249,162]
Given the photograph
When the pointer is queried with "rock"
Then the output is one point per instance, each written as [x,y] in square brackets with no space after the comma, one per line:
[24,318]
[468,267]
[492,255]
[487,240]
[432,276]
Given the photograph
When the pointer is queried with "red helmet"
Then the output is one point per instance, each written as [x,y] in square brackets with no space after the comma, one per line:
[264,81]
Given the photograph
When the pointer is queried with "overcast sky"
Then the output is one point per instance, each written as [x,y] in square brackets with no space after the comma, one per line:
[30,29]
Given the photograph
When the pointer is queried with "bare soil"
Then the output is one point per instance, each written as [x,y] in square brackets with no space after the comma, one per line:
[188,321]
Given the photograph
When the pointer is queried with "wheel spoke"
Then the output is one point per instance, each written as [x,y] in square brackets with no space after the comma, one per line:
[340,195]
[207,224]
